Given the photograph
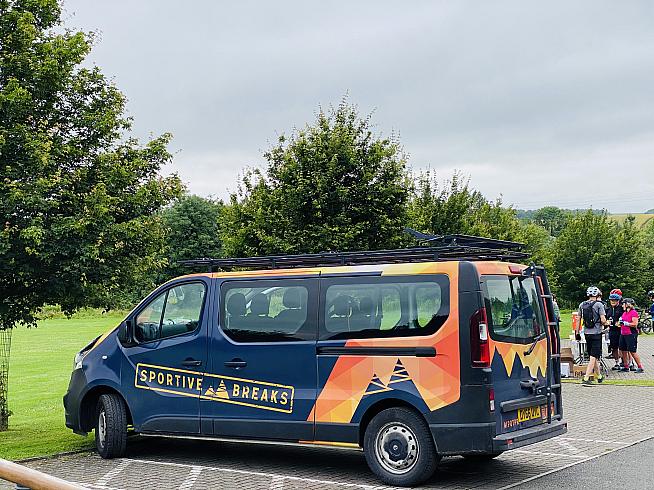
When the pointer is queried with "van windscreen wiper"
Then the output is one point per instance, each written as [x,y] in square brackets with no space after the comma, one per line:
[533,345]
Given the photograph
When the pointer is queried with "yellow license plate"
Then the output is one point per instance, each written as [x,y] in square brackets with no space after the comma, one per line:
[529,413]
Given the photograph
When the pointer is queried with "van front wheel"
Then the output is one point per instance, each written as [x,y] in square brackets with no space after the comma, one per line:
[111,426]
[399,448]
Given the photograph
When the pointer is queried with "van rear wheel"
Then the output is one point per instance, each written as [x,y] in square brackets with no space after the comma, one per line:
[399,448]
[111,426]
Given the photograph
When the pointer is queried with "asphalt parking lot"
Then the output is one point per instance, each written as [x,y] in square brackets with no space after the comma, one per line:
[171,464]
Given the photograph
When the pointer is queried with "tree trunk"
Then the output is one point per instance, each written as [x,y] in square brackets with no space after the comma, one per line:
[5,347]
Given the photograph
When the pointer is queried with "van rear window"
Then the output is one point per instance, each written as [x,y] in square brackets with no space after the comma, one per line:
[373,307]
[513,310]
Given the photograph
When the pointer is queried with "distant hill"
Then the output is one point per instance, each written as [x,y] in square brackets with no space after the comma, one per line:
[651,211]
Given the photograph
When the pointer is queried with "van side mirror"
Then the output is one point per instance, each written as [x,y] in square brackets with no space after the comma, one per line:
[126,333]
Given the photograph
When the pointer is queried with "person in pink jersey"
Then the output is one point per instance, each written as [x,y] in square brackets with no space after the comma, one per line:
[629,335]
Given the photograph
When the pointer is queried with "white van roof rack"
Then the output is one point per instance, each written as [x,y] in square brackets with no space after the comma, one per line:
[441,248]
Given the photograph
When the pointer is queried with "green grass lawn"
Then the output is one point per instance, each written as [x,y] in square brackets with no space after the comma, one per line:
[565,327]
[40,367]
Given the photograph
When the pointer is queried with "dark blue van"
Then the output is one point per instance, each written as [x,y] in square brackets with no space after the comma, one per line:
[408,354]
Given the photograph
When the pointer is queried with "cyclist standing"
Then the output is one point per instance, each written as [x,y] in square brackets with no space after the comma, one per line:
[613,313]
[629,336]
[594,317]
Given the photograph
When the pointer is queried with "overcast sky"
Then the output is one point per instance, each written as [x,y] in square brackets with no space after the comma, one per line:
[539,102]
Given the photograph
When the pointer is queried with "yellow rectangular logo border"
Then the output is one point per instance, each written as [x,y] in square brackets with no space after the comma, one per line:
[219,376]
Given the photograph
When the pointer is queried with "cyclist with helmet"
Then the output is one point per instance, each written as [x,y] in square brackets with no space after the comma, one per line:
[593,314]
[629,335]
[613,313]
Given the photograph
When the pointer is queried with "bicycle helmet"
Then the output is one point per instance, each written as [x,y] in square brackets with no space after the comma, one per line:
[617,292]
[614,296]
[629,301]
[650,293]
[593,291]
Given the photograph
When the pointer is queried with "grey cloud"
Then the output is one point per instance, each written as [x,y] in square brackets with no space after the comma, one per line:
[510,91]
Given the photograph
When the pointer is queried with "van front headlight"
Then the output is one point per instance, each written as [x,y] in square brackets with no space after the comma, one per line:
[79,357]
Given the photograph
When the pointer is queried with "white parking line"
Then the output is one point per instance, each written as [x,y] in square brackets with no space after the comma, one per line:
[599,441]
[260,473]
[190,478]
[101,482]
[277,483]
[566,445]
[542,453]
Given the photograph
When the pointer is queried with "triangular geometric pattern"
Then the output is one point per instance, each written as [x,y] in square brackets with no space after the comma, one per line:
[536,362]
[401,380]
[221,391]
[399,373]
[376,386]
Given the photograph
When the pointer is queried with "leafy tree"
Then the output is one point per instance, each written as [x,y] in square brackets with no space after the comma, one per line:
[192,231]
[456,208]
[595,250]
[648,282]
[331,186]
[78,197]
[551,218]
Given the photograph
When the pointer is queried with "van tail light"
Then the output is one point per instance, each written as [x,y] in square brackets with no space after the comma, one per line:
[491,399]
[479,348]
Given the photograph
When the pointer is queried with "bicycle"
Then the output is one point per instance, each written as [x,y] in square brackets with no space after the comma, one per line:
[645,323]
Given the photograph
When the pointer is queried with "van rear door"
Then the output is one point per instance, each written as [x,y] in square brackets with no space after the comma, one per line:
[517,327]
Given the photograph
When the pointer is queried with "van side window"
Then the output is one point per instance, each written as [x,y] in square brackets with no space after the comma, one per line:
[355,308]
[267,311]
[512,307]
[172,313]
[149,320]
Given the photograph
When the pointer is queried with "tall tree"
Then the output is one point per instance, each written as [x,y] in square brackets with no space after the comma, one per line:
[594,250]
[551,218]
[78,197]
[192,231]
[333,185]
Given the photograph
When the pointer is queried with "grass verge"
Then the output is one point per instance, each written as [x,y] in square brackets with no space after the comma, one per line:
[39,370]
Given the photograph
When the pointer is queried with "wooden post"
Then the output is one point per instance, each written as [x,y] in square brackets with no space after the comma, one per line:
[33,479]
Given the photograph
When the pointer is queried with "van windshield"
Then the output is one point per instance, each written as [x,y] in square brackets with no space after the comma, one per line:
[513,310]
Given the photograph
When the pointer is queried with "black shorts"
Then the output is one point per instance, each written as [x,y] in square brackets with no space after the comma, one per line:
[594,344]
[628,343]
[614,338]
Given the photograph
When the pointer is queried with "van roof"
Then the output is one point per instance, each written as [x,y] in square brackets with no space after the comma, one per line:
[482,266]
[443,248]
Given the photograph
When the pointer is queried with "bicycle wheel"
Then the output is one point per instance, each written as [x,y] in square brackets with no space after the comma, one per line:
[646,326]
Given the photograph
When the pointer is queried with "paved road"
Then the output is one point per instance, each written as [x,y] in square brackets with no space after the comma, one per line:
[629,468]
[167,464]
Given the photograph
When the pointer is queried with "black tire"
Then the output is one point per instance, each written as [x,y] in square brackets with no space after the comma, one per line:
[111,438]
[391,438]
[480,458]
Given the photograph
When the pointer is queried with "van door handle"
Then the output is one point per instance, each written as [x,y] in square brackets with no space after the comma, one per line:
[192,362]
[236,363]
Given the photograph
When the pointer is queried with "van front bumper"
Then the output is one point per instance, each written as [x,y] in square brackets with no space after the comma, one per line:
[530,435]
[73,399]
